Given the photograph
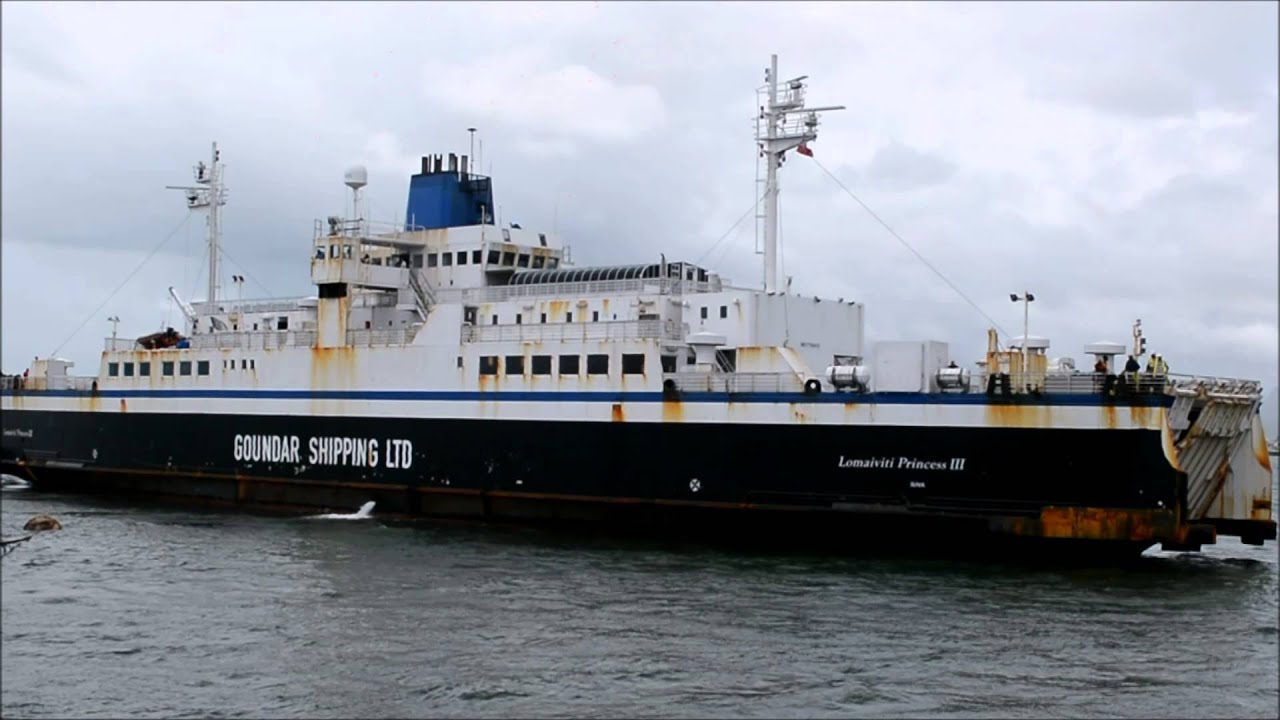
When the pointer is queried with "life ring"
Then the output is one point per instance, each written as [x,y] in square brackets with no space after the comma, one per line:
[812,386]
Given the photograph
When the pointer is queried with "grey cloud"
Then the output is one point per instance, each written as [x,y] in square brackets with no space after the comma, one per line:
[899,167]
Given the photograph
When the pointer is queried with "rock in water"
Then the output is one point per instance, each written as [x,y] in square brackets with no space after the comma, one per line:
[42,522]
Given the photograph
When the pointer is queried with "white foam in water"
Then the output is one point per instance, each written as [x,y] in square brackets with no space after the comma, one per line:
[11,482]
[362,514]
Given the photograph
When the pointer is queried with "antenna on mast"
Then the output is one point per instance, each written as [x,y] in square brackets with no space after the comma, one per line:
[784,123]
[209,193]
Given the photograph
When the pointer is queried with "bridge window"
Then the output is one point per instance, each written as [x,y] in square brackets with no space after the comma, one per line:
[202,367]
[633,364]
[144,369]
[724,311]
[522,260]
[282,322]
[432,259]
[488,364]
[519,317]
[595,316]
[542,239]
[538,261]
[568,317]
[704,313]
[508,259]
[544,317]
[320,252]
[515,364]
[597,364]
[334,250]
[462,257]
[417,260]
[113,369]
[128,369]
[446,259]
[493,257]
[475,257]
[347,252]
[166,368]
[541,365]
[184,367]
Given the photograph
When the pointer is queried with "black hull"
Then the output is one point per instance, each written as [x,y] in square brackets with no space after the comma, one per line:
[1087,488]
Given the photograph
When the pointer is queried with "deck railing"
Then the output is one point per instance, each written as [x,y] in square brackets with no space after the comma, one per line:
[540,332]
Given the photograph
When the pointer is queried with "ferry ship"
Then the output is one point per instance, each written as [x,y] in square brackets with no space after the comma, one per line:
[451,366]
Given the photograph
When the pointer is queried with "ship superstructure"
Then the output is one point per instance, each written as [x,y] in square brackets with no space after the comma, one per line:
[450,365]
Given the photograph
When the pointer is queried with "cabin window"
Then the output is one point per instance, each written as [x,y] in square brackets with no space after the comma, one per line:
[128,369]
[597,364]
[432,259]
[569,365]
[493,257]
[469,315]
[113,369]
[244,363]
[462,257]
[724,311]
[633,364]
[417,260]
[446,259]
[704,313]
[519,317]
[202,367]
[320,253]
[538,261]
[553,263]
[595,316]
[568,317]
[488,364]
[166,368]
[475,257]
[508,259]
[515,364]
[541,365]
[522,260]
[282,322]
[184,367]
[495,320]
[335,251]
[542,239]
[544,317]
[144,369]
[347,252]
[668,363]
[253,364]
[255,327]
[459,362]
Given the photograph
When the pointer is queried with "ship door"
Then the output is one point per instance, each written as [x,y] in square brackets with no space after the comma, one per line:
[469,315]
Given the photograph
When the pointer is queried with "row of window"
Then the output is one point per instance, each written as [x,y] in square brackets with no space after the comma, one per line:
[632,364]
[166,368]
[496,257]
[724,311]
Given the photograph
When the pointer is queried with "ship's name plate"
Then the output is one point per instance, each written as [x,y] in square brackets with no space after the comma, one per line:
[955,464]
[396,453]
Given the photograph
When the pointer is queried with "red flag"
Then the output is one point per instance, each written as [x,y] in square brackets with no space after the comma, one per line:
[804,150]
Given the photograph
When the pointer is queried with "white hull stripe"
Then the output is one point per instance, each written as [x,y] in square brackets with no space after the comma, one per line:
[615,397]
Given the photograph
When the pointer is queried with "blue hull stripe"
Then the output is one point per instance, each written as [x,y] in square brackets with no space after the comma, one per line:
[618,397]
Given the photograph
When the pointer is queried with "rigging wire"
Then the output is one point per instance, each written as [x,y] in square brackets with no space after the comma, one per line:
[119,287]
[908,246]
[733,227]
[265,289]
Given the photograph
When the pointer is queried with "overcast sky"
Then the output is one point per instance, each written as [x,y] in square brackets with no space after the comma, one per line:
[1118,160]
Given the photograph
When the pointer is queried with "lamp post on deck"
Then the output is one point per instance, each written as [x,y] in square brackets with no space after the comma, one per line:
[1026,299]
[114,320]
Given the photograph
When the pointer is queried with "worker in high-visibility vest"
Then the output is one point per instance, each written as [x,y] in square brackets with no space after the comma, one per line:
[1162,367]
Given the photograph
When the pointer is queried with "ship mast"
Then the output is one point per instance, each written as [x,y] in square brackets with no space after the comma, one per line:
[208,192]
[784,123]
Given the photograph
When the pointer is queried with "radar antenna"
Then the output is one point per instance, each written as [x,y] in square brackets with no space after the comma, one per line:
[784,123]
